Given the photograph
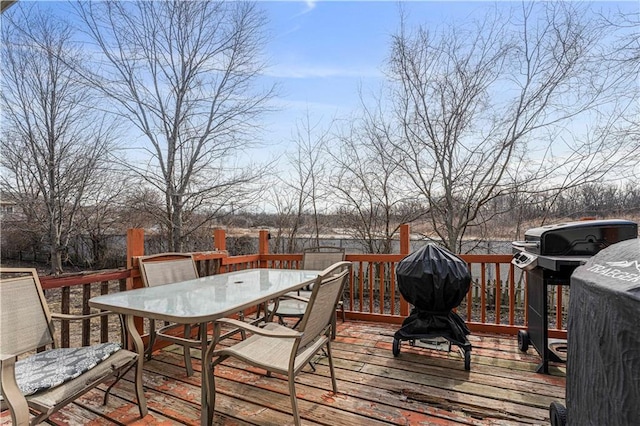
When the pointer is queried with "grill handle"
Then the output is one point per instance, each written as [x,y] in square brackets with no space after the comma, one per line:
[523,245]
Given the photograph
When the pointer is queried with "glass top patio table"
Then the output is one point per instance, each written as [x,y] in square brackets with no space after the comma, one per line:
[208,298]
[201,301]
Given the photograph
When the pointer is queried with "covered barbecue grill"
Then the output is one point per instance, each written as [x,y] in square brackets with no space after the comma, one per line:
[434,281]
[549,255]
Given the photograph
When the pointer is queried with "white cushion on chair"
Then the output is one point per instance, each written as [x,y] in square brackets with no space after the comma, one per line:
[51,368]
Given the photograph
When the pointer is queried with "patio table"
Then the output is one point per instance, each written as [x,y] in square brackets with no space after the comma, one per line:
[202,300]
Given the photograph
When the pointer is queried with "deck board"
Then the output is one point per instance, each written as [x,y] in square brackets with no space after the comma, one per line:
[418,387]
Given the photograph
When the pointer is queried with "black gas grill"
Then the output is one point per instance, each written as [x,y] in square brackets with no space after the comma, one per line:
[549,255]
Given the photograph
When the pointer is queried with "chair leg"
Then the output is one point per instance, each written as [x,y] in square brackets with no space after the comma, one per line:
[294,399]
[334,324]
[118,376]
[243,333]
[258,310]
[152,339]
[331,369]
[297,323]
[211,396]
[187,350]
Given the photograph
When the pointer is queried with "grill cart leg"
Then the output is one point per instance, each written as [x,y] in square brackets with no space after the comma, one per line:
[467,360]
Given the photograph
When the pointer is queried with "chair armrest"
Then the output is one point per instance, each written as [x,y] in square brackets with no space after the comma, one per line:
[294,297]
[70,317]
[280,332]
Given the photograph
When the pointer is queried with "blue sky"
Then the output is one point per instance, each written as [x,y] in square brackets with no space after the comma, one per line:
[321,52]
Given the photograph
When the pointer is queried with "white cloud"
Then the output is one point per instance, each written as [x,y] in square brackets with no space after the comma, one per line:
[309,6]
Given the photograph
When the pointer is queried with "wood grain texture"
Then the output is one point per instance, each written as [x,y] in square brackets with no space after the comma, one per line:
[419,387]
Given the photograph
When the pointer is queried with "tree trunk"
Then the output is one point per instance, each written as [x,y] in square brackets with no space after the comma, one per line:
[176,225]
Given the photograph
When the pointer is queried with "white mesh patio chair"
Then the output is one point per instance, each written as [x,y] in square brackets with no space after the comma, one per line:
[294,305]
[167,268]
[46,381]
[279,349]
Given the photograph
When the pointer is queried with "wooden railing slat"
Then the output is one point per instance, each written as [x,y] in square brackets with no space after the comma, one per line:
[86,324]
[104,321]
[498,297]
[65,304]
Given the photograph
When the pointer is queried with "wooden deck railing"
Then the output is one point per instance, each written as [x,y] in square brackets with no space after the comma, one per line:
[495,303]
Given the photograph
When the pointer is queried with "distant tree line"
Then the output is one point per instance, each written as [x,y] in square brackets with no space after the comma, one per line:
[95,249]
[142,115]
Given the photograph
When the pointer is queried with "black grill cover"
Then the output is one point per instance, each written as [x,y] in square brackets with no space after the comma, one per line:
[603,338]
[434,281]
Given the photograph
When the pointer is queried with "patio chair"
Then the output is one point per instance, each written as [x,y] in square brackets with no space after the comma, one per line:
[294,305]
[279,349]
[167,268]
[48,380]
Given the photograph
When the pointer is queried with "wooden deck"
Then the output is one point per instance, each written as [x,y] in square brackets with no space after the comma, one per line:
[419,387]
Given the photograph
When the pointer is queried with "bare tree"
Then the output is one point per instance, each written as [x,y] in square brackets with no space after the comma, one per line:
[367,182]
[55,144]
[287,217]
[182,73]
[101,218]
[626,53]
[626,50]
[483,107]
[300,194]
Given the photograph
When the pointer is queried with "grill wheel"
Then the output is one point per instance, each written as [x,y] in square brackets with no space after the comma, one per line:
[523,340]
[396,347]
[557,414]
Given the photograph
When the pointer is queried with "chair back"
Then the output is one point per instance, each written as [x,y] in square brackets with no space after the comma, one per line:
[321,307]
[25,320]
[321,257]
[167,268]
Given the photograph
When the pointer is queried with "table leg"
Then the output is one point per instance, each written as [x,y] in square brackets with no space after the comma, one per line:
[139,347]
[208,390]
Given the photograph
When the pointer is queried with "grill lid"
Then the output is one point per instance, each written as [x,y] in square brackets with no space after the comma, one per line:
[433,279]
[582,238]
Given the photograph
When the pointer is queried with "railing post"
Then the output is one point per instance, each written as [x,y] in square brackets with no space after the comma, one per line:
[263,246]
[219,239]
[405,246]
[405,240]
[135,247]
